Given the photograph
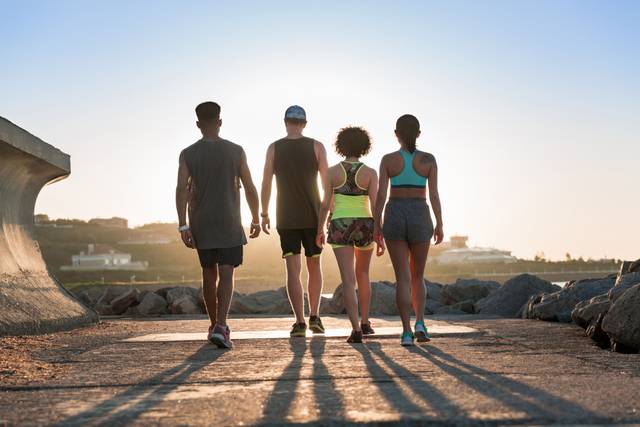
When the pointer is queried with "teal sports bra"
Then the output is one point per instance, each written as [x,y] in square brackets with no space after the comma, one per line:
[408,178]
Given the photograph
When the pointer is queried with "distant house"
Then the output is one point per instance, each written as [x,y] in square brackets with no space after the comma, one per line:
[149,239]
[456,251]
[41,219]
[114,222]
[103,257]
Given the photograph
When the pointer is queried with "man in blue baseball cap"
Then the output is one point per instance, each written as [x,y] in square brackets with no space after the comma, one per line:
[296,160]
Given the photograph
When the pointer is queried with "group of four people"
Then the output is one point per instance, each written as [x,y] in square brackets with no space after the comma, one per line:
[212,170]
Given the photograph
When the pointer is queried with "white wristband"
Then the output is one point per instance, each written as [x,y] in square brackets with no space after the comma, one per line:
[184,228]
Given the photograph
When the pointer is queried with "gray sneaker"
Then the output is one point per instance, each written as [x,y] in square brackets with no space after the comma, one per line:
[220,336]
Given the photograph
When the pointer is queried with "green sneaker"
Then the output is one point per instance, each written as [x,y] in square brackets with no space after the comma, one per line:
[422,335]
[407,339]
[298,330]
[315,324]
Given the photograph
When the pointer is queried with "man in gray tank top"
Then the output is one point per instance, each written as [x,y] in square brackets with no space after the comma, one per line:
[209,178]
[296,161]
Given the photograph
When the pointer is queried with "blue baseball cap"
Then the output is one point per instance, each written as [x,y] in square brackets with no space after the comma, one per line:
[295,112]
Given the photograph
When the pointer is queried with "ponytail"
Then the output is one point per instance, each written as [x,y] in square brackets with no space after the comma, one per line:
[407,129]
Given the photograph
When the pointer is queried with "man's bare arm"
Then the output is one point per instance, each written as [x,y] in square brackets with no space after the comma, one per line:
[323,164]
[251,194]
[265,193]
[182,199]
[324,208]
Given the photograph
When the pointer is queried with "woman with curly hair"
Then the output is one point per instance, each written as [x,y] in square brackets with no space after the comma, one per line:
[407,226]
[351,188]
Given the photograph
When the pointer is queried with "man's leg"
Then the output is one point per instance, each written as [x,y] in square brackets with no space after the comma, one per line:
[294,286]
[225,292]
[209,278]
[314,284]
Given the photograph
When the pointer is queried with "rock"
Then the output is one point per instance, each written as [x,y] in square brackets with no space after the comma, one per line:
[447,309]
[132,311]
[186,304]
[432,306]
[326,307]
[624,281]
[596,333]
[510,298]
[110,293]
[558,306]
[622,321]
[465,306]
[467,289]
[263,302]
[103,309]
[434,290]
[163,291]
[85,298]
[383,299]
[124,301]
[634,267]
[152,304]
[587,311]
[178,292]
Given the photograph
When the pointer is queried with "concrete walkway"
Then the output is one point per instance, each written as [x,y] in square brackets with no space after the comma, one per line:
[475,371]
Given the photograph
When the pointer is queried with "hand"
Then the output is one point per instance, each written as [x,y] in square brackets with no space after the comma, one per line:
[438,234]
[266,224]
[254,231]
[320,239]
[187,239]
[379,239]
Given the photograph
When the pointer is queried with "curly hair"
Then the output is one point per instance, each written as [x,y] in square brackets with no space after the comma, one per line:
[353,141]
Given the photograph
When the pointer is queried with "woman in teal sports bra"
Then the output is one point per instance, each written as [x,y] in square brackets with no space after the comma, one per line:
[406,227]
[351,187]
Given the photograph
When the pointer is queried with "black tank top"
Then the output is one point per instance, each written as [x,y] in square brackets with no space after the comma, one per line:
[296,169]
[214,202]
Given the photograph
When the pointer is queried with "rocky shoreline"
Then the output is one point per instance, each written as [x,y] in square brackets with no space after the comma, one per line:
[607,308]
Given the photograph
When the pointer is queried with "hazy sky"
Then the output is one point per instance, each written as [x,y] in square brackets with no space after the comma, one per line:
[531,108]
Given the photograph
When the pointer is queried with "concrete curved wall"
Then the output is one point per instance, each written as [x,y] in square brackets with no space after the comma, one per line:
[31,300]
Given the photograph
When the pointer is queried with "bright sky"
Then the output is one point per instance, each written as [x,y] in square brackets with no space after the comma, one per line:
[531,108]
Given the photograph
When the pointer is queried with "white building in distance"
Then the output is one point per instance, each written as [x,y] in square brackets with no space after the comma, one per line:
[103,257]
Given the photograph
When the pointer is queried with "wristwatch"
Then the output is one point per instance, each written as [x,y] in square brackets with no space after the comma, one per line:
[184,228]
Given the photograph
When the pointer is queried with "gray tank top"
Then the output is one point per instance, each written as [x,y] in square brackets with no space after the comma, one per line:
[214,199]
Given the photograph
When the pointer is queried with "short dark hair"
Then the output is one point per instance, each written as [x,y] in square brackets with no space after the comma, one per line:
[208,112]
[295,121]
[407,128]
[353,141]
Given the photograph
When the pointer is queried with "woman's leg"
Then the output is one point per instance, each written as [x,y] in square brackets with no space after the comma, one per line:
[418,257]
[345,256]
[363,261]
[399,254]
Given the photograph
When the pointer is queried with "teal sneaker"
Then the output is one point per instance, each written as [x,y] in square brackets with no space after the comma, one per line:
[407,339]
[422,335]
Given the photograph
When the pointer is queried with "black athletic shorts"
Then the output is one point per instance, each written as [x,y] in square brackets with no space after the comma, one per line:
[291,239]
[223,256]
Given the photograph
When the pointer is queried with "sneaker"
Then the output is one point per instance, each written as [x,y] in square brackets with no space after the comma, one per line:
[367,329]
[407,339]
[355,337]
[422,335]
[298,330]
[210,334]
[315,324]
[220,336]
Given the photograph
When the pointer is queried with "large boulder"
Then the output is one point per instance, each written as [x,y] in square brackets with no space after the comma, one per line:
[263,302]
[434,290]
[174,294]
[110,293]
[383,299]
[186,304]
[622,321]
[467,289]
[585,312]
[124,301]
[509,298]
[152,304]
[624,281]
[432,306]
[448,309]
[557,306]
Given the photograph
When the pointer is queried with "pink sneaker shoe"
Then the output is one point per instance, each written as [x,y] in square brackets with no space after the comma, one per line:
[220,336]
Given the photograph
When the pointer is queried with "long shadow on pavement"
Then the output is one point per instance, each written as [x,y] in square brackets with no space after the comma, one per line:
[328,400]
[540,405]
[126,407]
[434,398]
[279,401]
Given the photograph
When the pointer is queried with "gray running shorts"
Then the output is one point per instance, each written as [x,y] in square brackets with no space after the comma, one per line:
[408,220]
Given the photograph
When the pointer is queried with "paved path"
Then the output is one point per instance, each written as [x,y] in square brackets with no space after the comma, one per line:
[475,371]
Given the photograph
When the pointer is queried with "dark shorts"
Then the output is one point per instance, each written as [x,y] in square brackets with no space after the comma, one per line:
[221,256]
[356,232]
[292,239]
[408,220]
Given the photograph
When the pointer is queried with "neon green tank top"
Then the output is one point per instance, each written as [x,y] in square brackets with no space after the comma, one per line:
[351,200]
